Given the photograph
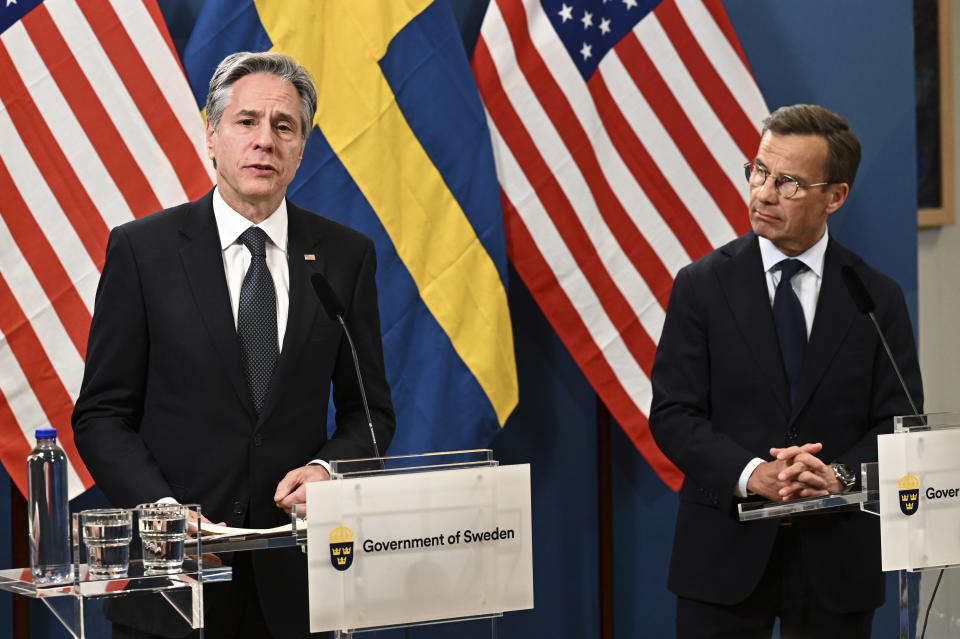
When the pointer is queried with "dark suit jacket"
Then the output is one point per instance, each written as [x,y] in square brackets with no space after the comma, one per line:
[164,408]
[720,398]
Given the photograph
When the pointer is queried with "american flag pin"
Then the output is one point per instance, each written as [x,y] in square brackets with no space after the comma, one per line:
[309,257]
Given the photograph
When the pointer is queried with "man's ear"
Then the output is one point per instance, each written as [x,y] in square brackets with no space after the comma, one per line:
[210,133]
[838,195]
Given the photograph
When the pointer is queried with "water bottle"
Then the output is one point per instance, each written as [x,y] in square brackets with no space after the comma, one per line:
[48,516]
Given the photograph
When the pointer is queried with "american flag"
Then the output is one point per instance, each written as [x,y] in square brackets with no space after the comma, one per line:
[620,128]
[97,127]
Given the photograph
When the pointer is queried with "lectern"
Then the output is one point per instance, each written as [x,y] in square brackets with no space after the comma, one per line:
[914,488]
[390,542]
[418,539]
[180,594]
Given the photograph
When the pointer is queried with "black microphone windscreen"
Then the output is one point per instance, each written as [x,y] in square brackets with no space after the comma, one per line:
[861,297]
[329,300]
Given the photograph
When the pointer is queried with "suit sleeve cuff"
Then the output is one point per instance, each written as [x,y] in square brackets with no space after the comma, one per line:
[741,490]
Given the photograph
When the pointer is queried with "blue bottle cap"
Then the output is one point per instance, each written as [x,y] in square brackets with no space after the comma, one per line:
[45,433]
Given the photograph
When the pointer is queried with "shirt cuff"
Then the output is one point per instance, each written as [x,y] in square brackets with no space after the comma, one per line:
[320,462]
[741,490]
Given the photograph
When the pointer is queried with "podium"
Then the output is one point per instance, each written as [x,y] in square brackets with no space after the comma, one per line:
[410,540]
[391,542]
[181,592]
[915,490]
[420,539]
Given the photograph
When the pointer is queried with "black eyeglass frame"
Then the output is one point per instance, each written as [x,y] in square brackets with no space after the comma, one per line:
[779,181]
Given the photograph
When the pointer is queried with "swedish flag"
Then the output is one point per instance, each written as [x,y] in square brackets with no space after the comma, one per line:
[400,152]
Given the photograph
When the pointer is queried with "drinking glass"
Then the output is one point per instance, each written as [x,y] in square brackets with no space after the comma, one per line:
[163,530]
[107,533]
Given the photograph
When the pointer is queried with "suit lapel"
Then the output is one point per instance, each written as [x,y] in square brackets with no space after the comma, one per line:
[834,316]
[743,283]
[203,263]
[302,312]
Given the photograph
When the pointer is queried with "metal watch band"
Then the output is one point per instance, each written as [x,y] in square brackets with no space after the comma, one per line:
[844,476]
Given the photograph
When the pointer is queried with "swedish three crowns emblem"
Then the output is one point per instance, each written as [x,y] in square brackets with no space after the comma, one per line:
[341,547]
[909,494]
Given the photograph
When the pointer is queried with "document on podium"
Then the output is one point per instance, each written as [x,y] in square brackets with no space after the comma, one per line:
[218,538]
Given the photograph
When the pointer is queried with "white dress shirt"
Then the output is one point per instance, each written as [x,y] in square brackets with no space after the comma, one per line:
[236,256]
[806,284]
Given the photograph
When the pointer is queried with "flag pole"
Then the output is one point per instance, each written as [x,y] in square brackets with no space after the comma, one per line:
[19,557]
[604,520]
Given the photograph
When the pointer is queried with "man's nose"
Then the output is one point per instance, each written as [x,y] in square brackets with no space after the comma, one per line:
[768,190]
[263,138]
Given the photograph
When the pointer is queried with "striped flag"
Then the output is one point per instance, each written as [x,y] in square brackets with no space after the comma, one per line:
[97,127]
[400,152]
[619,129]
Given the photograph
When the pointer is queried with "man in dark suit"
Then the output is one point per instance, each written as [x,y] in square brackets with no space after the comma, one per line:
[768,383]
[210,360]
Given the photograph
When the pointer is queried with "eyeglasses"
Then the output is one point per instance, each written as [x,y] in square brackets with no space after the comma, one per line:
[785,185]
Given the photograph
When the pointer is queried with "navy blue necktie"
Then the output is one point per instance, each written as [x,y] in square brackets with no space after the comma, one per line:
[791,326]
[257,319]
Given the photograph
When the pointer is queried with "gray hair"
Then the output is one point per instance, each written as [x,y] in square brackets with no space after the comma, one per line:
[244,63]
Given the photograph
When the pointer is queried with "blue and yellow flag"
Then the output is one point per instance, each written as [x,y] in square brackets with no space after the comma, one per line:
[400,152]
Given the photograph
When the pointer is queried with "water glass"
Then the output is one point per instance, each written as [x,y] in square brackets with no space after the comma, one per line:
[107,533]
[163,530]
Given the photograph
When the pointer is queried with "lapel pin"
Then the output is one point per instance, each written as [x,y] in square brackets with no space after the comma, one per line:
[309,257]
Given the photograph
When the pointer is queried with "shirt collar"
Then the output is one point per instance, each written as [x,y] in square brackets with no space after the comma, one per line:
[231,224]
[813,257]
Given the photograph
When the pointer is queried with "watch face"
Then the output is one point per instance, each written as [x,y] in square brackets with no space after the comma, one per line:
[844,475]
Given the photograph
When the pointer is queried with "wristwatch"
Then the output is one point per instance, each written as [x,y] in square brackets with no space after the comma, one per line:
[844,476]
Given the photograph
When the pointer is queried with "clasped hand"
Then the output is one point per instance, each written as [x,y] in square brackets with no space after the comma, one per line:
[795,472]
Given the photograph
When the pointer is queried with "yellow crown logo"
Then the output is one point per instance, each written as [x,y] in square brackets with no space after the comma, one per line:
[342,534]
[909,482]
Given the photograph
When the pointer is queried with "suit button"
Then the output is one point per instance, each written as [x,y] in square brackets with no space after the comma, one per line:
[257,440]
[237,507]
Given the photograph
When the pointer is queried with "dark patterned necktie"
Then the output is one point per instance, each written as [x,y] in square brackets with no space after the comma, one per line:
[791,326]
[257,319]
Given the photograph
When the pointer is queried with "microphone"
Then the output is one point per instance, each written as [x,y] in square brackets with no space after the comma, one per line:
[864,302]
[334,308]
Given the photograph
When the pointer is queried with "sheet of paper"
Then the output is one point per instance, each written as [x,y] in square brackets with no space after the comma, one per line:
[228,531]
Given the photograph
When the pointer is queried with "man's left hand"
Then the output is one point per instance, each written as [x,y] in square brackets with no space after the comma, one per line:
[805,475]
[292,489]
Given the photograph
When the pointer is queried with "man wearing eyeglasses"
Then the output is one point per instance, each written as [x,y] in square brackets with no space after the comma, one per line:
[769,384]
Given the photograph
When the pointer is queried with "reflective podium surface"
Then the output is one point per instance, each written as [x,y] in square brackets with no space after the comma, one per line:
[68,600]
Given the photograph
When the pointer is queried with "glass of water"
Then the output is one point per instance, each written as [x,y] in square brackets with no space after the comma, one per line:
[163,530]
[107,533]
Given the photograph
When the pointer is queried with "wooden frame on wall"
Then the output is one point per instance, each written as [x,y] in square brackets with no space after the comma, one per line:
[944,214]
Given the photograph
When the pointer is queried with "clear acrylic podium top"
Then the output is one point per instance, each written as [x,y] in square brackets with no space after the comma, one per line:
[19,581]
[374,466]
[867,498]
[296,533]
